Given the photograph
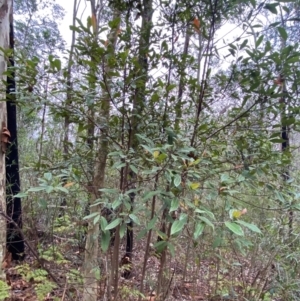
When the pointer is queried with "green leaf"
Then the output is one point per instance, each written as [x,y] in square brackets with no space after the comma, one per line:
[62,189]
[141,234]
[135,219]
[294,59]
[48,176]
[160,246]
[206,212]
[235,228]
[36,189]
[206,221]
[91,215]
[105,240]
[174,204]
[171,249]
[259,40]
[43,203]
[116,203]
[280,196]
[244,44]
[279,140]
[96,219]
[251,227]
[123,229]
[253,3]
[271,7]
[177,180]
[109,190]
[21,195]
[198,230]
[113,224]
[150,194]
[283,33]
[114,23]
[134,169]
[151,224]
[177,226]
[103,223]
[74,28]
[217,242]
[171,87]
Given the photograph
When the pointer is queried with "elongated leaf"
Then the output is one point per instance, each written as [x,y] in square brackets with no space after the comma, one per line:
[283,33]
[141,234]
[36,189]
[280,196]
[207,221]
[174,204]
[105,240]
[62,189]
[160,246]
[209,213]
[113,224]
[259,40]
[103,223]
[198,230]
[122,230]
[96,219]
[94,214]
[251,227]
[151,224]
[293,59]
[149,195]
[116,203]
[135,219]
[109,190]
[177,226]
[235,228]
[133,168]
[244,44]
[171,249]
[271,7]
[21,195]
[177,180]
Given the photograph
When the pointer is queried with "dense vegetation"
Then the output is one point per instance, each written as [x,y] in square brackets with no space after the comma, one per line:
[159,150]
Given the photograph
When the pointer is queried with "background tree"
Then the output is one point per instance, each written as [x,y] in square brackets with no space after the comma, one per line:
[5,10]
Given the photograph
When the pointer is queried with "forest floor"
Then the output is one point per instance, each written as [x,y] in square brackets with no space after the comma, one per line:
[208,281]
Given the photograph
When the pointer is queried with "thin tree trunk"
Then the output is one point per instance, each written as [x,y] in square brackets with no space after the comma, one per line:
[5,10]
[285,145]
[91,264]
[138,108]
[178,106]
[69,85]
[15,243]
[68,103]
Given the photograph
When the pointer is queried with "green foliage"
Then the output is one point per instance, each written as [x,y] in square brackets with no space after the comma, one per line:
[43,289]
[53,254]
[40,277]
[74,277]
[4,290]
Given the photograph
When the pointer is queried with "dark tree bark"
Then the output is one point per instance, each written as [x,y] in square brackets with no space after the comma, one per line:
[15,242]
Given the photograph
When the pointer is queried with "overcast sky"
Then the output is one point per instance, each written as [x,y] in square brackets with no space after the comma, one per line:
[228,32]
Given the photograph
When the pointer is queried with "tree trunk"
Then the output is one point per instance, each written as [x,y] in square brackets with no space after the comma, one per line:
[91,264]
[138,109]
[15,242]
[5,9]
